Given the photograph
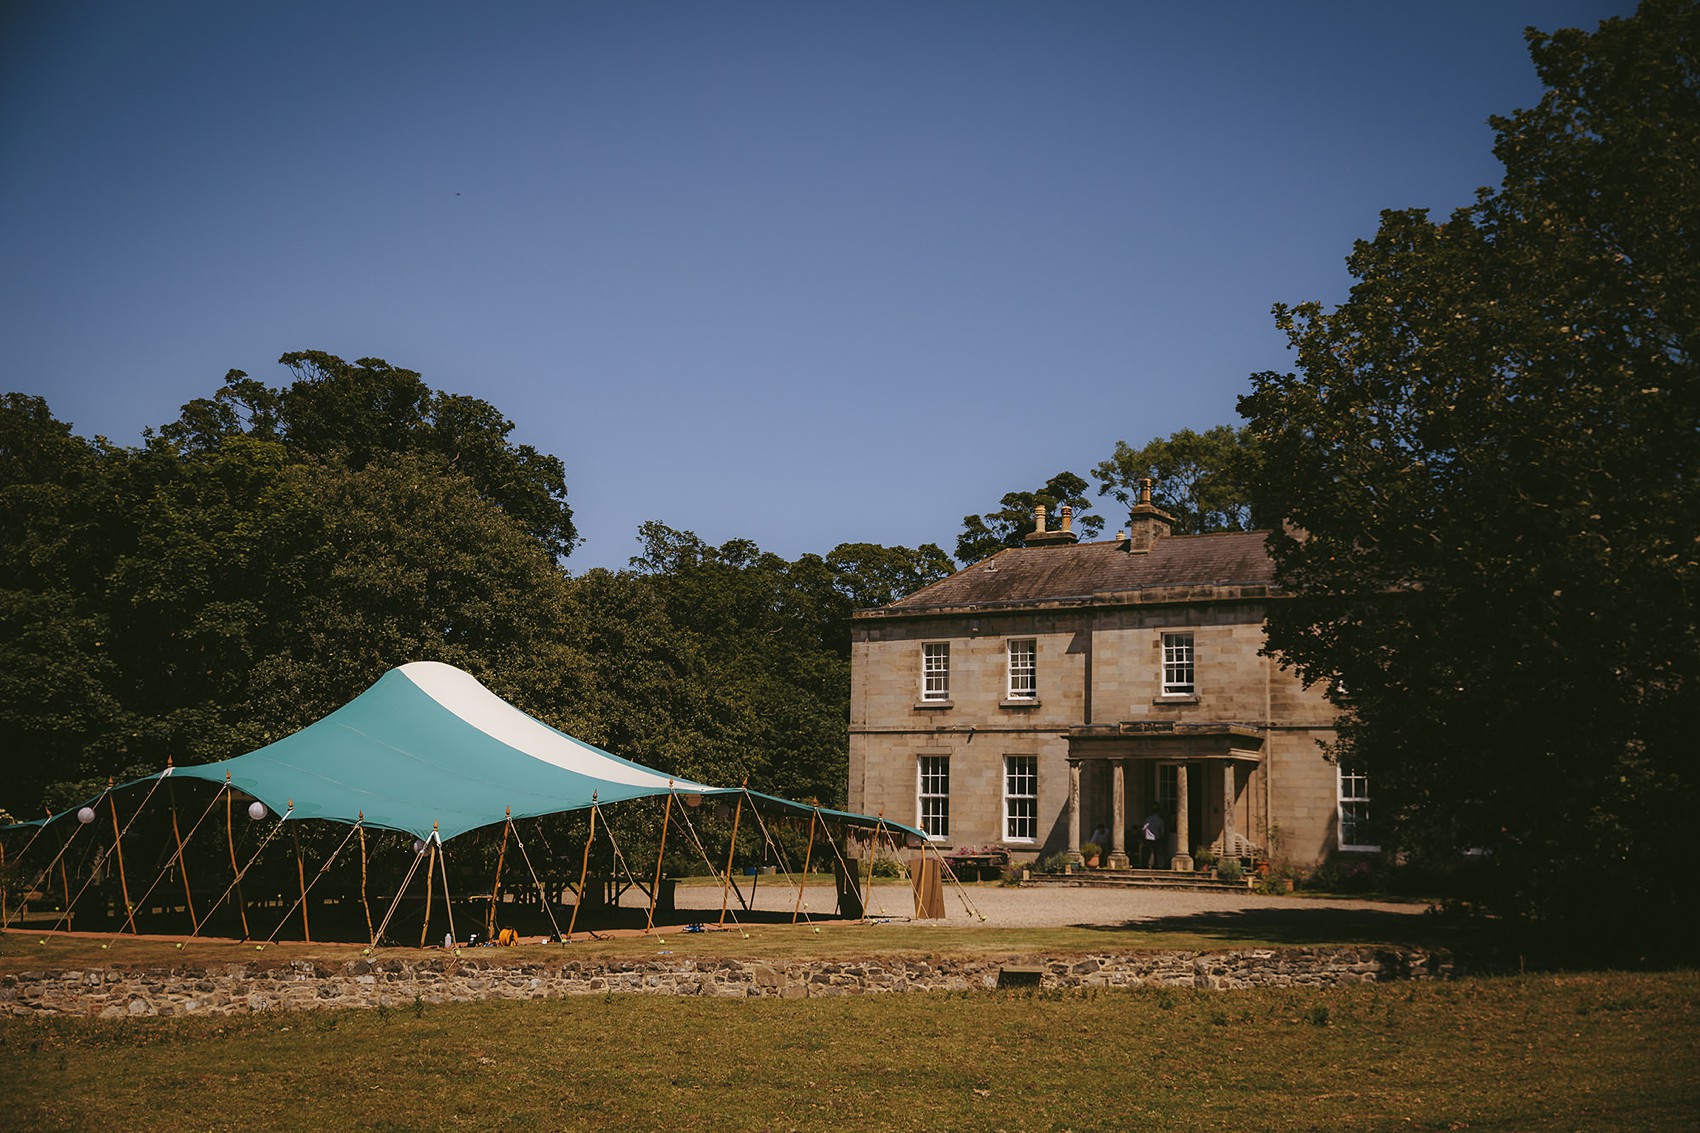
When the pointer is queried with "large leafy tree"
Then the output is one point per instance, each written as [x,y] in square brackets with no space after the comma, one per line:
[985,535]
[1490,458]
[1202,479]
[354,412]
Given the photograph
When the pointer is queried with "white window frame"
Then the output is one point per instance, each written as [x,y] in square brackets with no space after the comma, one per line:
[1353,802]
[935,670]
[1023,667]
[1180,663]
[932,796]
[1021,798]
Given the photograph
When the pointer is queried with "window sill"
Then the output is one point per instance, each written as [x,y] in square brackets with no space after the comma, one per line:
[1030,702]
[932,705]
[1176,698]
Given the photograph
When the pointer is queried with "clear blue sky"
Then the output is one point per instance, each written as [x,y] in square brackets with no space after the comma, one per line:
[805,273]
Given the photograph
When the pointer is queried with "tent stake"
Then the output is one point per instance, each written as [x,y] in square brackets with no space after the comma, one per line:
[230,839]
[584,870]
[731,849]
[655,891]
[301,875]
[496,889]
[364,903]
[808,856]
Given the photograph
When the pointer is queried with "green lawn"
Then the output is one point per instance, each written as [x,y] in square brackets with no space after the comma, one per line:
[1586,1051]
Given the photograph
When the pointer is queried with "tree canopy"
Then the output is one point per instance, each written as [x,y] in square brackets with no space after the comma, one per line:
[271,552]
[1489,459]
[985,535]
[1202,479]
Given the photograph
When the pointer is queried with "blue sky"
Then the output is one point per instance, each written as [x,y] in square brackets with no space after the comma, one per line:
[804,273]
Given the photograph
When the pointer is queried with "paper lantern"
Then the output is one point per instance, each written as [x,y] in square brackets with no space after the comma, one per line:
[86,815]
[256,810]
[418,846]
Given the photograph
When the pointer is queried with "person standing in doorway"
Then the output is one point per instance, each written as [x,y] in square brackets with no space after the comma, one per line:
[1150,838]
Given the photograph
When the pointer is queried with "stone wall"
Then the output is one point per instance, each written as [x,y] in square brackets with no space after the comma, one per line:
[227,989]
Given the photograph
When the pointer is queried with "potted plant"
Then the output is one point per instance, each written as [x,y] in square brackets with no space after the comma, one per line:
[1090,851]
[1203,859]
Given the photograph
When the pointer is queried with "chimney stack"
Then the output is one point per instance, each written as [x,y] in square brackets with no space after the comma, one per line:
[1147,523]
[1039,537]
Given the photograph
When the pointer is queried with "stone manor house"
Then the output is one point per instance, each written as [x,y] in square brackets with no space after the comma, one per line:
[1062,688]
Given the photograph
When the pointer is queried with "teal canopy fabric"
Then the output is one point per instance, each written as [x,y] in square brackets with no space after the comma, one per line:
[430,748]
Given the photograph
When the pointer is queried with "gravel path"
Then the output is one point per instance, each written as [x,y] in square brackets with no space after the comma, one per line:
[1052,906]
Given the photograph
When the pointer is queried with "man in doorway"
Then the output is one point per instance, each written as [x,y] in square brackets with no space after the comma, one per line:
[1150,839]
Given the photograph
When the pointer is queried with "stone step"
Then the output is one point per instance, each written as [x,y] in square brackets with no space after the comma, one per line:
[1137,879]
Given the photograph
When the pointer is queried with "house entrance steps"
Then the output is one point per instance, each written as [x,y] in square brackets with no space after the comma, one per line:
[1139,879]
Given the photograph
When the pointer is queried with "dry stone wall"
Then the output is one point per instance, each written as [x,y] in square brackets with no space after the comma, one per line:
[228,989]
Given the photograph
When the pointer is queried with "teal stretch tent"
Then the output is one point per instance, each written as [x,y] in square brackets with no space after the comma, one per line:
[430,748]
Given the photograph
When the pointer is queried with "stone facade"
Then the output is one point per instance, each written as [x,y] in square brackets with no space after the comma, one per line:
[1240,749]
[395,983]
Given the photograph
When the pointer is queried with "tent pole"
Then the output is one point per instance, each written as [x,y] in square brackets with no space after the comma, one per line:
[301,876]
[230,840]
[118,846]
[655,890]
[583,870]
[430,876]
[176,858]
[731,848]
[176,836]
[496,889]
[448,901]
[808,856]
[324,869]
[542,895]
[364,903]
[873,852]
[258,850]
[396,900]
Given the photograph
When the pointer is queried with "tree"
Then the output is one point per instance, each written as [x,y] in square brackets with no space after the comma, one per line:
[870,575]
[1490,459]
[1202,479]
[985,535]
[353,413]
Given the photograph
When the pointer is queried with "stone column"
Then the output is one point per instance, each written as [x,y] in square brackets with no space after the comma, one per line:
[1228,808]
[1074,857]
[1118,815]
[1182,861]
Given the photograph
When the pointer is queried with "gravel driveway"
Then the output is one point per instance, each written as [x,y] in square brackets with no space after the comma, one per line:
[1051,906]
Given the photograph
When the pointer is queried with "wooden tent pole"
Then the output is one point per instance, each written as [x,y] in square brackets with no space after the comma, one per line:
[496,889]
[448,899]
[364,902]
[808,856]
[177,837]
[584,870]
[430,876]
[64,874]
[235,871]
[655,890]
[118,846]
[731,849]
[301,875]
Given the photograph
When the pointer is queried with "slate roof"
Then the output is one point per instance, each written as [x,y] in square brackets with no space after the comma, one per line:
[1085,570]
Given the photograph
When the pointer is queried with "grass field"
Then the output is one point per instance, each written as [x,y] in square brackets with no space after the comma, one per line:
[1536,1052]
